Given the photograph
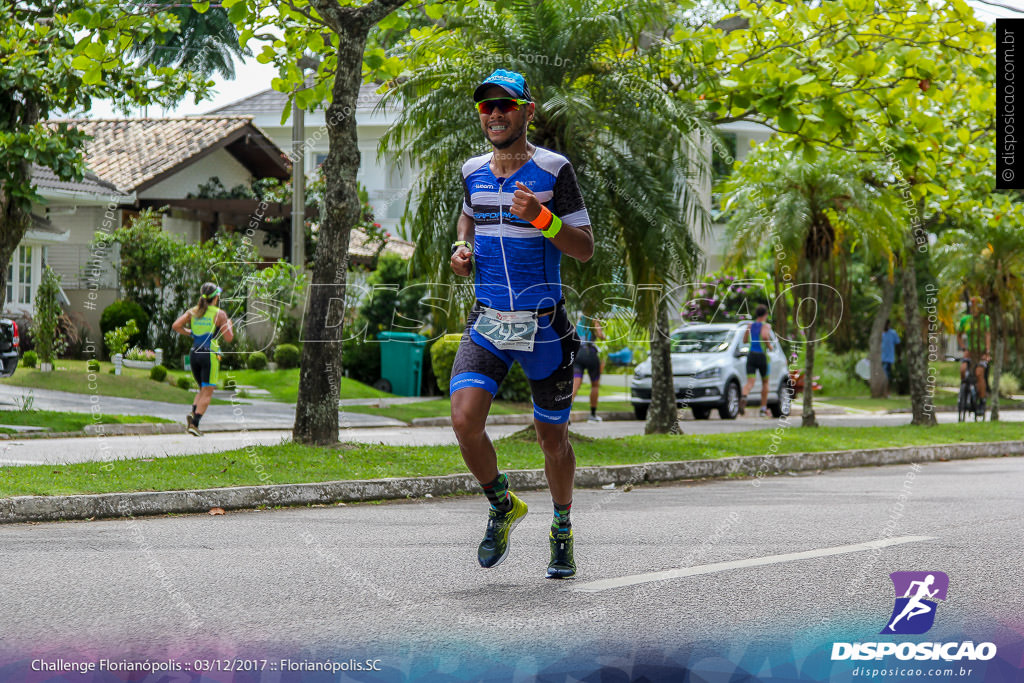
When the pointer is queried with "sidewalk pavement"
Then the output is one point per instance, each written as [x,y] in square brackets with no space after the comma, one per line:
[243,414]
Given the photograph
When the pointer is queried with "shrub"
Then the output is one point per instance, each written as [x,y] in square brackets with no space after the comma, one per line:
[50,341]
[287,356]
[361,359]
[442,358]
[257,360]
[135,353]
[30,359]
[119,313]
[158,373]
[516,386]
[184,383]
[117,339]
[93,365]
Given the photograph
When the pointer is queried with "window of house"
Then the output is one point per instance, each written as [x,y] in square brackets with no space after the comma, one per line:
[24,274]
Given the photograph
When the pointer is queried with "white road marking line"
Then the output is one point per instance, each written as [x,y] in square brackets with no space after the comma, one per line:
[608,584]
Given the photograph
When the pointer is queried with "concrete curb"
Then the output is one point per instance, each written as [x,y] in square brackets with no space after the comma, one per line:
[52,508]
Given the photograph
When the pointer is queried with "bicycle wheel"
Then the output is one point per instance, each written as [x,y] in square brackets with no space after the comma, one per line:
[961,403]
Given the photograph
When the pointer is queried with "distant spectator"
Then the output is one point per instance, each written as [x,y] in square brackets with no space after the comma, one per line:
[889,341]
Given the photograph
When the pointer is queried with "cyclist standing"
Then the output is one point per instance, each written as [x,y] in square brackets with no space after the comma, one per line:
[970,345]
[522,210]
[206,325]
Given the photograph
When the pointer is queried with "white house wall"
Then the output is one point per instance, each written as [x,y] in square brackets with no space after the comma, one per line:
[219,163]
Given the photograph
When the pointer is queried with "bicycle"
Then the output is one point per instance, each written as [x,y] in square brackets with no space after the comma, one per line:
[968,401]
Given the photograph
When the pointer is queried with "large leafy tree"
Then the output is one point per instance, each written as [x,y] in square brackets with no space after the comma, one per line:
[597,74]
[322,55]
[814,213]
[985,258]
[909,83]
[58,57]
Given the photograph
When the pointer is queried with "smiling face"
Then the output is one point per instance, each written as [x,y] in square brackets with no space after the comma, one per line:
[502,129]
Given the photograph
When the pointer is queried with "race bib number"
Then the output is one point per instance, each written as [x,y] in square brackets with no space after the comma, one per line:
[507,330]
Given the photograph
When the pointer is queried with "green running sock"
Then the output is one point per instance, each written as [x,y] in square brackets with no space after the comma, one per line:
[561,523]
[497,493]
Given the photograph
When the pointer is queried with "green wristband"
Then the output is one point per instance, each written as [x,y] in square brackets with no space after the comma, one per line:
[556,225]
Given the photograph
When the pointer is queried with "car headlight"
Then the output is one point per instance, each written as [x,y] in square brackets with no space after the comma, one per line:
[640,374]
[710,373]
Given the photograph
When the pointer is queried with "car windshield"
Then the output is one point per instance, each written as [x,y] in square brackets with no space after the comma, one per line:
[700,341]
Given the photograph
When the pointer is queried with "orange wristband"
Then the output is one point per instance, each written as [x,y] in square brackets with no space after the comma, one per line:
[543,219]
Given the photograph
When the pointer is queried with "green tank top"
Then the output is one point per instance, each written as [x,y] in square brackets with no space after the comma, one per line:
[204,329]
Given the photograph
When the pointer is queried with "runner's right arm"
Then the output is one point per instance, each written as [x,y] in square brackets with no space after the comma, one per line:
[462,259]
[179,324]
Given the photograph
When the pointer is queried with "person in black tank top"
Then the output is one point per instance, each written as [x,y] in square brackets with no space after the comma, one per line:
[759,336]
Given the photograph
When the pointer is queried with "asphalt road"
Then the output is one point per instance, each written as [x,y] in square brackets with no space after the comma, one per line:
[400,580]
[89,449]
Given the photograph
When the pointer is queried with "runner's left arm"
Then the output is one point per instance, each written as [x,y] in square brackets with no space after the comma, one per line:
[575,238]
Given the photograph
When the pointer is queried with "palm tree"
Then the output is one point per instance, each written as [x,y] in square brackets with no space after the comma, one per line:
[602,101]
[812,214]
[204,44]
[985,258]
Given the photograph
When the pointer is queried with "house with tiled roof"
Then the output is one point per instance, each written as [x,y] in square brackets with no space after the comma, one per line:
[160,163]
[133,164]
[387,181]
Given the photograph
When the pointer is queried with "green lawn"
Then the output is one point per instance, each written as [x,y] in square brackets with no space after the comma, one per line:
[290,463]
[57,421]
[72,376]
[283,385]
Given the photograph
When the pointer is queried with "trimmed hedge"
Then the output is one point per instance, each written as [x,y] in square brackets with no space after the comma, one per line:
[30,359]
[158,373]
[257,360]
[287,356]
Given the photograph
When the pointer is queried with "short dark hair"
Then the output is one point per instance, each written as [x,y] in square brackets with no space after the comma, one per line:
[760,310]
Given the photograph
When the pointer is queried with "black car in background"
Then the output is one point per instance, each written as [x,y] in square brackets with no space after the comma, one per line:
[9,350]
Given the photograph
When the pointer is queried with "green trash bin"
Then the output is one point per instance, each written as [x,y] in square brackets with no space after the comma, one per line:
[401,362]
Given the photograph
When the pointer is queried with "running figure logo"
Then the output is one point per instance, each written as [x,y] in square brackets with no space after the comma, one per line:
[916,592]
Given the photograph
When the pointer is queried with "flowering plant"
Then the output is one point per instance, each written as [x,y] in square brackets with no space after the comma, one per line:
[135,353]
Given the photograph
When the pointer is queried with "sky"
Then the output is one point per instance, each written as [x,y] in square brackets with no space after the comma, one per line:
[252,77]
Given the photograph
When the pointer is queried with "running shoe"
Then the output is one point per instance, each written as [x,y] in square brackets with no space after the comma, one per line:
[192,429]
[494,548]
[763,412]
[562,565]
[594,418]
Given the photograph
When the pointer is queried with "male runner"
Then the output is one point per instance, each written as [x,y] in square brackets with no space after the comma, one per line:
[758,333]
[523,209]
[914,606]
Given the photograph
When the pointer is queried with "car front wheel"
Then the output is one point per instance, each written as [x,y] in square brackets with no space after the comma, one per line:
[701,412]
[731,408]
[640,410]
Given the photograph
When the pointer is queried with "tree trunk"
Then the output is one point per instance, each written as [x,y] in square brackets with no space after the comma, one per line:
[316,414]
[663,415]
[922,406]
[879,382]
[997,359]
[809,419]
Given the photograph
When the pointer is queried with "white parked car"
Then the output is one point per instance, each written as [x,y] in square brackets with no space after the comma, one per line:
[709,366]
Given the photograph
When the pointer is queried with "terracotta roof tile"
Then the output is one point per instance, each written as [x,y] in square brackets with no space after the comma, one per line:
[129,152]
[45,179]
